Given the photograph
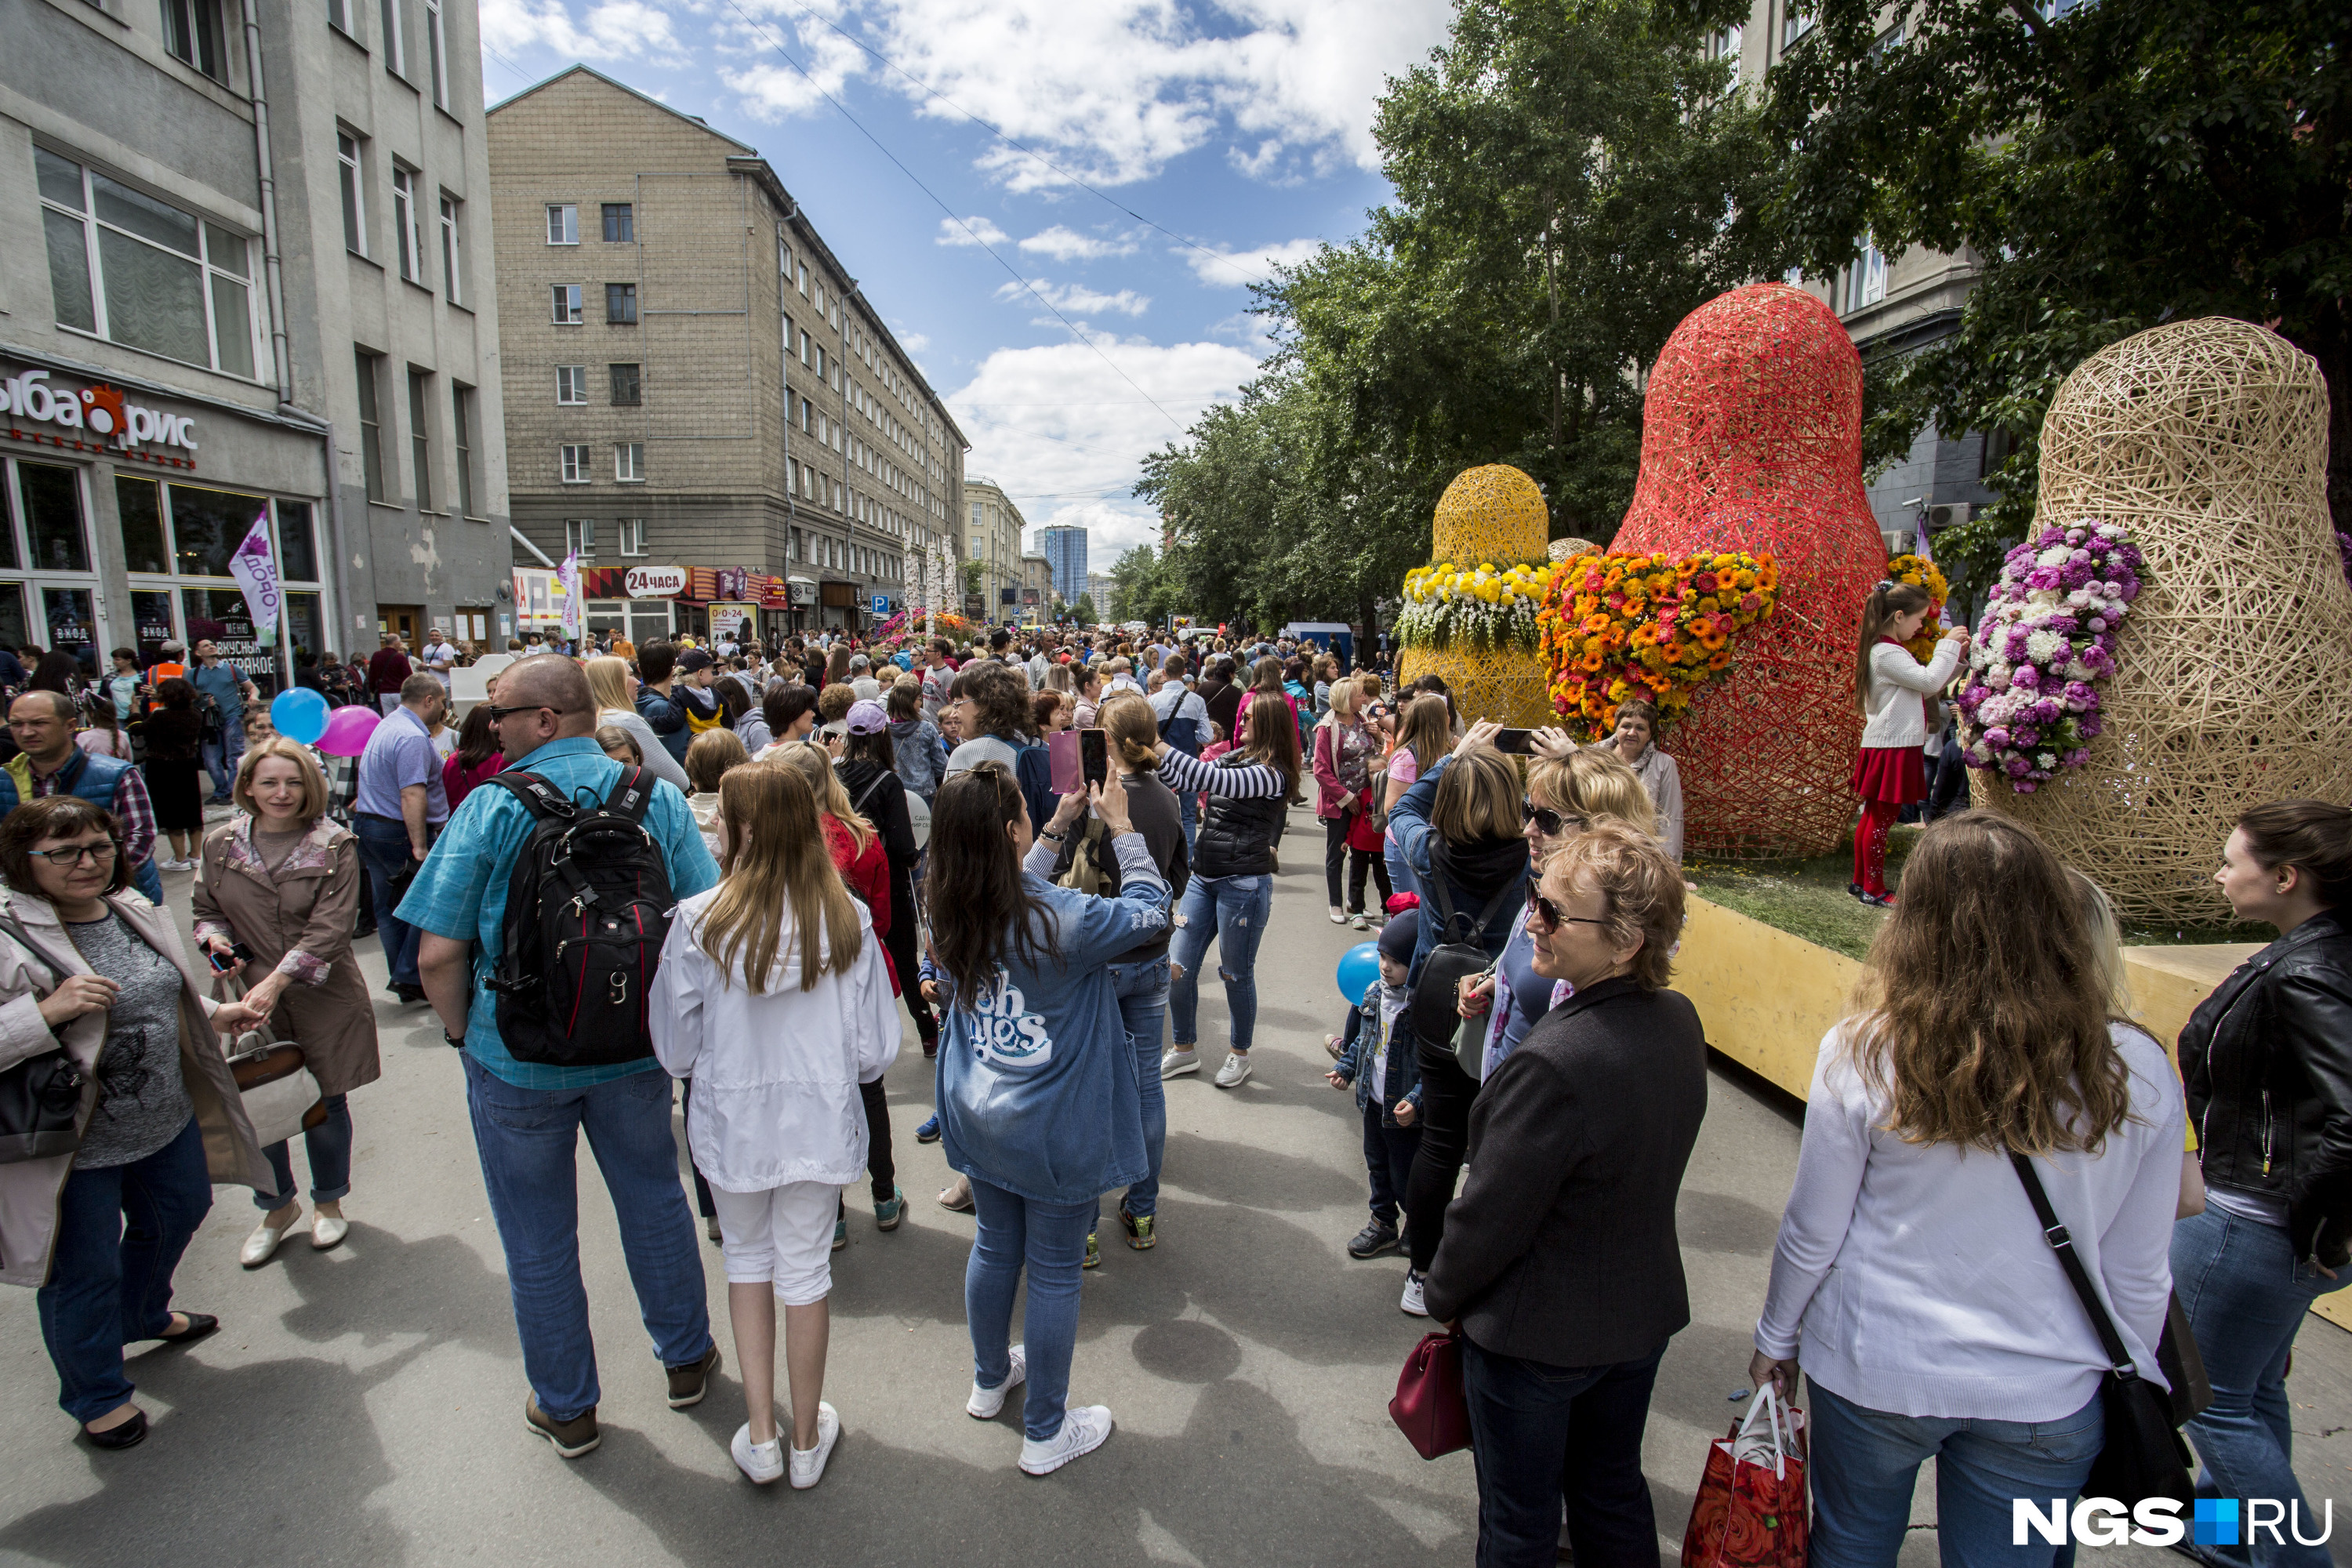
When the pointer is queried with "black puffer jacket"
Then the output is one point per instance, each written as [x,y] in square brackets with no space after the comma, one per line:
[2267,1062]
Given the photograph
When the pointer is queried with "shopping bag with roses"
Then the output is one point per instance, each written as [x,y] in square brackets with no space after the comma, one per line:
[1751,1508]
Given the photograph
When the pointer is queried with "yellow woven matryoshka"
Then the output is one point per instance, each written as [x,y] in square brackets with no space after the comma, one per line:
[1469,616]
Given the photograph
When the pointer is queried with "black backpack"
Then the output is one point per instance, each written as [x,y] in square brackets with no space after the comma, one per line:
[588,909]
[1436,1021]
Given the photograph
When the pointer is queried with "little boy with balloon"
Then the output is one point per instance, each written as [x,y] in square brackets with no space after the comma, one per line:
[1377,1053]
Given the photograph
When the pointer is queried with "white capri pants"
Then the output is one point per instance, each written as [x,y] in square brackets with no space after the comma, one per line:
[783,1236]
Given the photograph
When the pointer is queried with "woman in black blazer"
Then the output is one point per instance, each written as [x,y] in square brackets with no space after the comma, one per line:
[1560,1264]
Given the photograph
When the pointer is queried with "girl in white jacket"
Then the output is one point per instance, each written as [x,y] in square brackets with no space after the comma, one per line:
[773,997]
[1891,690]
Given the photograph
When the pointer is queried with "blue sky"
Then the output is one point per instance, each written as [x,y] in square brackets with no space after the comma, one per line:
[1242,125]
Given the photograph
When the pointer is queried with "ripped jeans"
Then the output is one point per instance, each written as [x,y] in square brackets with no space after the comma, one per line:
[1233,910]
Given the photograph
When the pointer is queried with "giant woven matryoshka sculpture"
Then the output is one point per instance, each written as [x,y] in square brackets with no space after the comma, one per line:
[1470,616]
[1751,440]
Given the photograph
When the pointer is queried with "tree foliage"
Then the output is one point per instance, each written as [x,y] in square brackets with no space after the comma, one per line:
[1083,612]
[2122,163]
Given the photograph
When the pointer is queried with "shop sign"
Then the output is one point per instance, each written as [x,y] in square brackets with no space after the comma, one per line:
[656,581]
[726,620]
[734,583]
[802,592]
[101,411]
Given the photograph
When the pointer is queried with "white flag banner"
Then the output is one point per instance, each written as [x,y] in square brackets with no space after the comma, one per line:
[568,574]
[254,567]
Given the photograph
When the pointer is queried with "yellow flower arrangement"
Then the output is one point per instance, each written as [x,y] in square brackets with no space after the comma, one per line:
[1921,573]
[1483,606]
[1614,626]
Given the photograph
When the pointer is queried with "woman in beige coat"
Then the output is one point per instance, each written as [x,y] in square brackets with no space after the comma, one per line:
[90,967]
[284,881]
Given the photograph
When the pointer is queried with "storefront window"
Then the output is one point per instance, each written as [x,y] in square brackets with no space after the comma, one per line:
[219,614]
[138,506]
[13,631]
[207,526]
[71,626]
[150,623]
[305,624]
[51,497]
[298,553]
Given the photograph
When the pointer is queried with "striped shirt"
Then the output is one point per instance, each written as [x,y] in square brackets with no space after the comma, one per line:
[1240,781]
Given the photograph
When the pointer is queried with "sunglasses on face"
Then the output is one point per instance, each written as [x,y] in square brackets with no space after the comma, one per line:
[1543,912]
[498,714]
[1549,822]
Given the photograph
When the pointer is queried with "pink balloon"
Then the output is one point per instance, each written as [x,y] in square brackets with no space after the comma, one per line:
[348,730]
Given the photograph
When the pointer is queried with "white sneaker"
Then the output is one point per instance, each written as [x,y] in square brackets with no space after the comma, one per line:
[1176,1062]
[1339,916]
[985,1403]
[262,1242]
[808,1464]
[1084,1430]
[762,1462]
[1412,1302]
[1236,1069]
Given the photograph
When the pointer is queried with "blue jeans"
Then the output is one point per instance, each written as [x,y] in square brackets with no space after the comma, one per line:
[1233,910]
[329,1148]
[1541,1434]
[1865,1466]
[528,1140]
[220,757]
[1141,987]
[110,1281]
[1188,806]
[1050,1239]
[384,849]
[2247,1296]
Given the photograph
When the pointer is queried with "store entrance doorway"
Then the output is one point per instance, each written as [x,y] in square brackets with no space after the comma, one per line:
[408,620]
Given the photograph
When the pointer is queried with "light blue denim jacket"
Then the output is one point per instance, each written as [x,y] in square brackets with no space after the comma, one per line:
[1364,1048]
[1408,826]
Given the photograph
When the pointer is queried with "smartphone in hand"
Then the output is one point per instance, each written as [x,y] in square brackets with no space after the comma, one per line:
[1094,755]
[1515,742]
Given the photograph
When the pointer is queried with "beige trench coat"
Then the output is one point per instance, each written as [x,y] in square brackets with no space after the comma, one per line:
[29,1189]
[296,919]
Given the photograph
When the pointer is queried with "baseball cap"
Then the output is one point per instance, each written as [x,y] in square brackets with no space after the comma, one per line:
[867,716]
[692,660]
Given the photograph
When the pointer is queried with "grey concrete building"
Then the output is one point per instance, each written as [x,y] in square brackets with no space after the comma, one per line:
[694,380]
[992,536]
[251,282]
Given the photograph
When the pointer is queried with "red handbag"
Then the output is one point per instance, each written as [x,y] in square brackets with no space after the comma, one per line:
[1750,1507]
[1363,834]
[1429,1407]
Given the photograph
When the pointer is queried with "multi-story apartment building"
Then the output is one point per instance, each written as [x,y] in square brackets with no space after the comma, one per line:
[1103,589]
[249,283]
[1038,598]
[992,536]
[700,402]
[1890,306]
[1066,549]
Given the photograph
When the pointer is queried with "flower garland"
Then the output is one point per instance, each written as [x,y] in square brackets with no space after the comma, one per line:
[908,622]
[2047,635]
[1650,627]
[1922,573]
[1479,606]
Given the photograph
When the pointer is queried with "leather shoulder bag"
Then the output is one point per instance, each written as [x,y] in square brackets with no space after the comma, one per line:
[40,1097]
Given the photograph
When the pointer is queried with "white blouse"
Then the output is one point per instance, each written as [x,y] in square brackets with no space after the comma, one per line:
[1896,715]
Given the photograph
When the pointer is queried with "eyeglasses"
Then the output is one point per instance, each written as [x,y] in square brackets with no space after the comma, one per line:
[1549,822]
[1542,910]
[73,855]
[498,714]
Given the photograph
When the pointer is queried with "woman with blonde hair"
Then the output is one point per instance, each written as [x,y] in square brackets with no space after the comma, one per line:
[1345,751]
[1423,734]
[615,689]
[774,1006]
[1912,1277]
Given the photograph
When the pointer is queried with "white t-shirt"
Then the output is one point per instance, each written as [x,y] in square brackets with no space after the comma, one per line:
[439,659]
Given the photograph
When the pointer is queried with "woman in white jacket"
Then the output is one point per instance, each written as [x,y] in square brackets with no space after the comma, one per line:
[1891,690]
[773,998]
[1911,1277]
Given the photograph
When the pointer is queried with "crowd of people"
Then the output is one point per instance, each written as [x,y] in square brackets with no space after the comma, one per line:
[738,868]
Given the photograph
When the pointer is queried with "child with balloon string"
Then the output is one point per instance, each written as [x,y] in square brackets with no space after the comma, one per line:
[1377,1054]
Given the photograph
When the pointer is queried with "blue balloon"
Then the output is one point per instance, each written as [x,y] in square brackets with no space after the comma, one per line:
[1359,966]
[299,714]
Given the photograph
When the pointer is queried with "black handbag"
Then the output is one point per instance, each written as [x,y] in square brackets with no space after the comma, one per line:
[40,1097]
[2144,1454]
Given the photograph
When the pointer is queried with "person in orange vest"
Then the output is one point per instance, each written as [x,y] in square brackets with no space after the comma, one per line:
[167,666]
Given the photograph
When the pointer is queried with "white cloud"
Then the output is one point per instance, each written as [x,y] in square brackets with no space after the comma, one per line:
[1066,296]
[615,31]
[1238,269]
[772,88]
[1067,245]
[1065,435]
[974,230]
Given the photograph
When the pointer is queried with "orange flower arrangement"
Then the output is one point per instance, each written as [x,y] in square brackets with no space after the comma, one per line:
[1615,627]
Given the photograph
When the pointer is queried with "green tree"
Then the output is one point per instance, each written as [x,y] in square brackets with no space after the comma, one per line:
[1083,612]
[974,581]
[2123,163]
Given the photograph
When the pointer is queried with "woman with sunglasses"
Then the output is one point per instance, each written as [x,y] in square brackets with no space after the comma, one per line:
[99,1227]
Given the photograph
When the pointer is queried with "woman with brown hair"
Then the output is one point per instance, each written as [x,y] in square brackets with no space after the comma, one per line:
[1912,1277]
[1422,737]
[774,1004]
[996,717]
[1891,690]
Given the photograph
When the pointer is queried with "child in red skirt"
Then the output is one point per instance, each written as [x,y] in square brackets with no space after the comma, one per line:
[1890,691]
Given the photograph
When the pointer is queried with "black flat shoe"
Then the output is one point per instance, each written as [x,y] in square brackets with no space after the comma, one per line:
[200,1325]
[130,1434]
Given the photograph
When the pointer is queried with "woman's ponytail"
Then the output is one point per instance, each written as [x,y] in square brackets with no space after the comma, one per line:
[1887,601]
[2312,835]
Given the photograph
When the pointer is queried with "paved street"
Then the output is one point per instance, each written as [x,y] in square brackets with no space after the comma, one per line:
[364,1405]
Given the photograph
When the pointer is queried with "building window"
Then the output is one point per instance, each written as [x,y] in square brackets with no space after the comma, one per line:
[452,249]
[575,465]
[371,370]
[629,462]
[420,451]
[166,282]
[628,386]
[621,304]
[192,33]
[632,535]
[436,48]
[567,305]
[405,230]
[563,224]
[347,158]
[620,223]
[339,15]
[395,46]
[1794,25]
[1865,280]
[570,384]
[461,437]
[580,538]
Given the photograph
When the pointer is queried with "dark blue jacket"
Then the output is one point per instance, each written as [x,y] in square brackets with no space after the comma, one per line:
[94,780]
[1408,826]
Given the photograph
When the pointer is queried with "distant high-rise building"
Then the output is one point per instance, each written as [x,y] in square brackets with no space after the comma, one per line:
[1066,550]
[1103,589]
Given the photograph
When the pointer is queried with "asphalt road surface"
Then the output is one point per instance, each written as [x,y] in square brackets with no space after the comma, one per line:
[365,1405]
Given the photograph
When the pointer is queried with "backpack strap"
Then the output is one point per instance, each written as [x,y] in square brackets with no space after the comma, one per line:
[858,805]
[539,797]
[631,793]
